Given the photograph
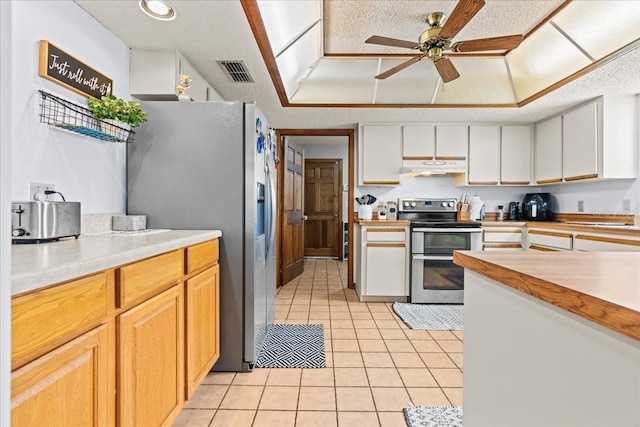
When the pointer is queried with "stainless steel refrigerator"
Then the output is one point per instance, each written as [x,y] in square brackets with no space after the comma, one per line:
[210,165]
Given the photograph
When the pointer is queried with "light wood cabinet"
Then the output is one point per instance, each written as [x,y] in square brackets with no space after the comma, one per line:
[151,361]
[418,142]
[580,143]
[484,155]
[380,154]
[154,77]
[73,307]
[515,155]
[202,332]
[382,267]
[452,142]
[548,151]
[65,350]
[69,386]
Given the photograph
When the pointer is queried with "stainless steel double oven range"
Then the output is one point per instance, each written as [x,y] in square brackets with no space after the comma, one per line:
[435,234]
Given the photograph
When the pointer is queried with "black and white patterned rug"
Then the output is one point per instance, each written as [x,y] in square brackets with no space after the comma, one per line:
[433,416]
[436,317]
[293,346]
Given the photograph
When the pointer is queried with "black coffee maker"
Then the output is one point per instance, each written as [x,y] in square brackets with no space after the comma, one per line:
[538,207]
[514,211]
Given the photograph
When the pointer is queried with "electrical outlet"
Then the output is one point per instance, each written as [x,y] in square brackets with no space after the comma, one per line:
[580,205]
[626,205]
[36,191]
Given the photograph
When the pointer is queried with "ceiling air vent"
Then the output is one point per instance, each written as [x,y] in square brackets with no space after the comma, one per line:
[236,71]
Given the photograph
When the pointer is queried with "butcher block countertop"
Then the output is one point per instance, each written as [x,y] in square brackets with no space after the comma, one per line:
[599,286]
[35,266]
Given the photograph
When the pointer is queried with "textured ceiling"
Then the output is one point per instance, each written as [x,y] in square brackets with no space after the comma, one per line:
[208,31]
[349,23]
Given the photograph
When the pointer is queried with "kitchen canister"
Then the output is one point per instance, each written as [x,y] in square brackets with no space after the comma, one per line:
[365,212]
[382,211]
[392,212]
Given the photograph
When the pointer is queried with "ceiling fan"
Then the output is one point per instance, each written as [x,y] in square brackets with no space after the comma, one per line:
[435,40]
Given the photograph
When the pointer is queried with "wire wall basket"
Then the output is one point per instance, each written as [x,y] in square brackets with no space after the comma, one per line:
[68,116]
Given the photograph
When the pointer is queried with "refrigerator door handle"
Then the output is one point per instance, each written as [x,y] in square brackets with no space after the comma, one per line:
[271,226]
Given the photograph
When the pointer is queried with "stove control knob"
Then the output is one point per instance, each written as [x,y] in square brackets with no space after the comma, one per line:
[444,204]
[450,204]
[413,204]
[406,204]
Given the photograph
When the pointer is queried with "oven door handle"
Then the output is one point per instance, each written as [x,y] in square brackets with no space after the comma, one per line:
[432,257]
[447,230]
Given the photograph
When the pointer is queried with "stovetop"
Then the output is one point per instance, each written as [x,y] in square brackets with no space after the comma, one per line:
[432,213]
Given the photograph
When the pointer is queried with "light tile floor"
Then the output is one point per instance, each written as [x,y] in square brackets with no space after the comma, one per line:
[376,366]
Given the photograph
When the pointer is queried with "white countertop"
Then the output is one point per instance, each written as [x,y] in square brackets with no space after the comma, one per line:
[39,265]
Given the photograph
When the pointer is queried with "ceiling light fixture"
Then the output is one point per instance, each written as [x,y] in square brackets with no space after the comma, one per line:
[158,9]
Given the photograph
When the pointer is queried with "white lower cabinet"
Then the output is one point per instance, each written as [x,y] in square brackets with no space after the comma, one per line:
[507,238]
[382,263]
[549,240]
[572,240]
[609,243]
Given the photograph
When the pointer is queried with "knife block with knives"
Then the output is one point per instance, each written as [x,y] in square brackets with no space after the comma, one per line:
[462,208]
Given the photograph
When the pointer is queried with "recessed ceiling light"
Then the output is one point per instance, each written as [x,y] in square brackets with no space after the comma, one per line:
[158,9]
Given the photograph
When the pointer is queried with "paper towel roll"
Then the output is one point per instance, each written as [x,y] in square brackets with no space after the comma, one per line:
[475,206]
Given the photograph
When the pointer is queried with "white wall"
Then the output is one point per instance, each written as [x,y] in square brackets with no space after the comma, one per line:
[332,151]
[5,209]
[84,169]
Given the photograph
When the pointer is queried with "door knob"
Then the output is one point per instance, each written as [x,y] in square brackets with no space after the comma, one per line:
[304,217]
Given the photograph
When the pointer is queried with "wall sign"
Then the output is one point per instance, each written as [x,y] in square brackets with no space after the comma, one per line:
[60,67]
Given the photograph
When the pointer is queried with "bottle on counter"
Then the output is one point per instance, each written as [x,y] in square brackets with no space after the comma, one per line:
[500,213]
[382,212]
[392,212]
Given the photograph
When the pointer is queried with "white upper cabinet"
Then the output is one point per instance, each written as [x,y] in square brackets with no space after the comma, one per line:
[580,143]
[484,155]
[379,154]
[515,155]
[452,142]
[154,77]
[596,140]
[418,142]
[618,136]
[548,151]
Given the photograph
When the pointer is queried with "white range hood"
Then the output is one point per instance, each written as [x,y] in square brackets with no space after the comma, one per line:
[433,167]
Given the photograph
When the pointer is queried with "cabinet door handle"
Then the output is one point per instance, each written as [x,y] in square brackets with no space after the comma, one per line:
[433,257]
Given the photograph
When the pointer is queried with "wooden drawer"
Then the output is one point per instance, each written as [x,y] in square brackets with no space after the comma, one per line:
[503,235]
[201,255]
[550,238]
[385,234]
[47,318]
[147,278]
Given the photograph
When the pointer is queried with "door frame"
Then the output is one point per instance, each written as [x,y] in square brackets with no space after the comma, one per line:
[350,134]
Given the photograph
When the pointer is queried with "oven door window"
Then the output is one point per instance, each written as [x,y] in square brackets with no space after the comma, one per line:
[444,243]
[442,275]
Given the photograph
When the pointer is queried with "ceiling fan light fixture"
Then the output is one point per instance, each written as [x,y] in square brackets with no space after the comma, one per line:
[435,19]
[158,9]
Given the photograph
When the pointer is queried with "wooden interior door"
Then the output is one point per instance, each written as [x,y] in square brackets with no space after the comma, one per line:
[322,205]
[292,259]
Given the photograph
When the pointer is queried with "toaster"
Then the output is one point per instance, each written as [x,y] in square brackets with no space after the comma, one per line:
[38,222]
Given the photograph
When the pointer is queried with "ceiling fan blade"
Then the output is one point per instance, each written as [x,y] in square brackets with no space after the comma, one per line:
[464,11]
[446,69]
[492,43]
[399,67]
[386,41]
